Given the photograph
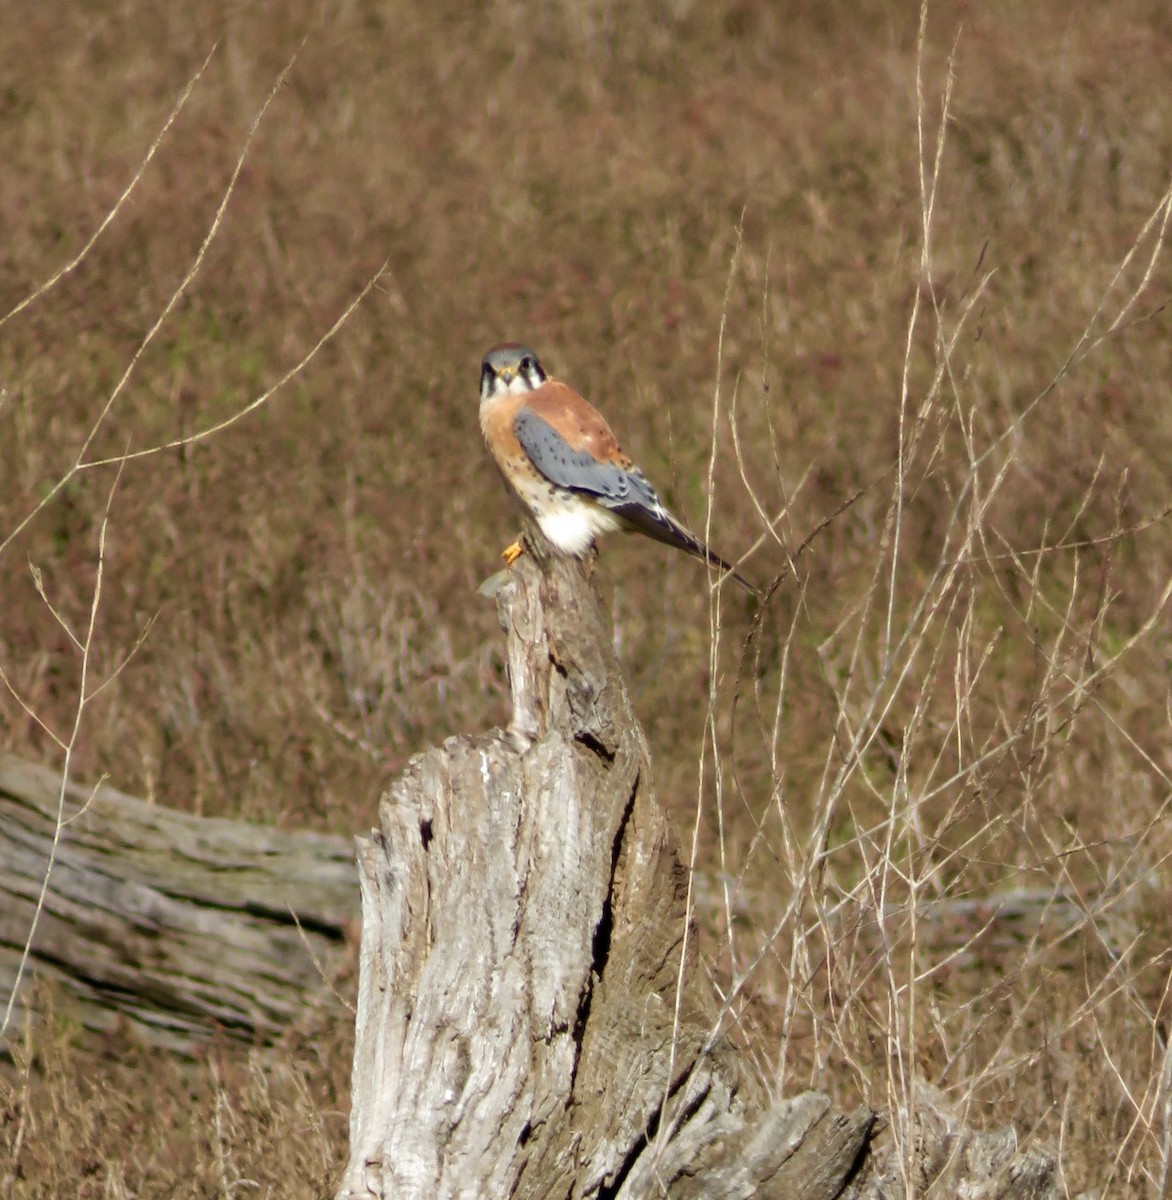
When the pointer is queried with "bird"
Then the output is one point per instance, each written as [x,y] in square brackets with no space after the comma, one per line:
[561,461]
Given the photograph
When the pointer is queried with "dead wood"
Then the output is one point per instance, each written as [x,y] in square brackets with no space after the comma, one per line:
[530,1023]
[184,928]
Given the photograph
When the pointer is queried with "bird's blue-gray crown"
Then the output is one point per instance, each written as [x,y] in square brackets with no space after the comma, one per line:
[507,363]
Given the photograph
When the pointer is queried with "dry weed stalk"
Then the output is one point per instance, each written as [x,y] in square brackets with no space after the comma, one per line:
[84,644]
[863,910]
[934,784]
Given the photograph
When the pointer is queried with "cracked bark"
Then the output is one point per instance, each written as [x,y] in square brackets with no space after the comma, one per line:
[183,928]
[526,1027]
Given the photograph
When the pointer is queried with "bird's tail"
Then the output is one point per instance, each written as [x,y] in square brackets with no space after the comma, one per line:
[663,527]
[701,551]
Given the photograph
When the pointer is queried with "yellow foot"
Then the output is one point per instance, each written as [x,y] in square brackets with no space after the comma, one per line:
[511,553]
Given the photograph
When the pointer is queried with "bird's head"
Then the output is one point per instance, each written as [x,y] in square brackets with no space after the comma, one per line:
[510,369]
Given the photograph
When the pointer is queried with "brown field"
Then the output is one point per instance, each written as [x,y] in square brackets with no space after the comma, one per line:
[711,219]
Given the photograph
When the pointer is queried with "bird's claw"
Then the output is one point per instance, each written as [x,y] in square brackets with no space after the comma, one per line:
[513,552]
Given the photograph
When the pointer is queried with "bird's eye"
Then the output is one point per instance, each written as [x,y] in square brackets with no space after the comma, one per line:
[526,365]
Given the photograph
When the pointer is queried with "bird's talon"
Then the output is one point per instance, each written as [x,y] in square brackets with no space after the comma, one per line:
[563,463]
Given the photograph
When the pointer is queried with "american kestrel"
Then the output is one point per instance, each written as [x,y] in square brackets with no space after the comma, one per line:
[560,459]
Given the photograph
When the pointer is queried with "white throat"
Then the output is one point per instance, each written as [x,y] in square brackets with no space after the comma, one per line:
[518,386]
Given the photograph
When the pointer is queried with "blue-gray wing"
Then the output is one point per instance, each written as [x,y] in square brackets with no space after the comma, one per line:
[623,490]
[610,484]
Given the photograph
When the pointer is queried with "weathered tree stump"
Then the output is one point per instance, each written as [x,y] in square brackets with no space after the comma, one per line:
[184,928]
[526,1027]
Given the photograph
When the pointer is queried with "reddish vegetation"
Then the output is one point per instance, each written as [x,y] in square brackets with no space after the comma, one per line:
[610,187]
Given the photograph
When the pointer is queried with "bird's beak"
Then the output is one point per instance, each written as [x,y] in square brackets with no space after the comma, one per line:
[508,374]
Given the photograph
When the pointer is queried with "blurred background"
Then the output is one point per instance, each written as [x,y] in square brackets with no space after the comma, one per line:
[926,394]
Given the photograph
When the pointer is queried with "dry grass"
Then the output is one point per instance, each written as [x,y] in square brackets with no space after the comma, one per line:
[960,688]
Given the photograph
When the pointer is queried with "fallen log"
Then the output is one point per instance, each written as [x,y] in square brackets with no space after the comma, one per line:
[530,1021]
[183,928]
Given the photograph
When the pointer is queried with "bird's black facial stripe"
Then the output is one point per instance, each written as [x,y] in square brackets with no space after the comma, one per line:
[530,370]
[508,366]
